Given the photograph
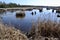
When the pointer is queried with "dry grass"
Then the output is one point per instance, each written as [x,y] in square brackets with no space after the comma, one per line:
[10,33]
[45,29]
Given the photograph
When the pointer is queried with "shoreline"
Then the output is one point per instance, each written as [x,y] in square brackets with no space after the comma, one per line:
[11,33]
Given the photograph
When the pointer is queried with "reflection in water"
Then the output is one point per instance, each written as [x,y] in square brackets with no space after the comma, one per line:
[33,13]
[28,9]
[12,11]
[21,15]
[58,15]
[40,10]
[2,11]
[53,10]
[57,11]
[48,8]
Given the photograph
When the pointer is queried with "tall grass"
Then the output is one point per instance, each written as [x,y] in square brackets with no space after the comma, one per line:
[45,29]
[11,33]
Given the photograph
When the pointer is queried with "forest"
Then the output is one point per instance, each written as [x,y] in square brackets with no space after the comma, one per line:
[9,5]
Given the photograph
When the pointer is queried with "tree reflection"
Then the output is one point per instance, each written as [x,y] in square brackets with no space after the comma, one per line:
[53,10]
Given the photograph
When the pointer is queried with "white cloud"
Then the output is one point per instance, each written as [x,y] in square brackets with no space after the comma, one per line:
[43,2]
[35,2]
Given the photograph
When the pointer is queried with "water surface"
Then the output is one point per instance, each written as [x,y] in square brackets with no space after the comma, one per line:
[24,23]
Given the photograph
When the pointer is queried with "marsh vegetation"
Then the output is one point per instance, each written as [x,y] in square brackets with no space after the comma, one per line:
[44,29]
[35,24]
[11,33]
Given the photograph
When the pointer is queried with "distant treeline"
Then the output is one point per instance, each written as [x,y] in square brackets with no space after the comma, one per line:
[10,5]
[4,5]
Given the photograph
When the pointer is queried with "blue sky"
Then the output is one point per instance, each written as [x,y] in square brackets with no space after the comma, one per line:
[35,2]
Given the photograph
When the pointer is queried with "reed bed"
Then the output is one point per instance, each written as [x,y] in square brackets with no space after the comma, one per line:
[44,29]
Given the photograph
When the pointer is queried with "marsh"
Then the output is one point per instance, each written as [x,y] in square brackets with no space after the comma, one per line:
[24,22]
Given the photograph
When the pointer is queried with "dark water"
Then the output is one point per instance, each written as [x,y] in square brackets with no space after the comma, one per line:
[24,23]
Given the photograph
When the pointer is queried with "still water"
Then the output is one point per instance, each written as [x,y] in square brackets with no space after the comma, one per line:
[24,23]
